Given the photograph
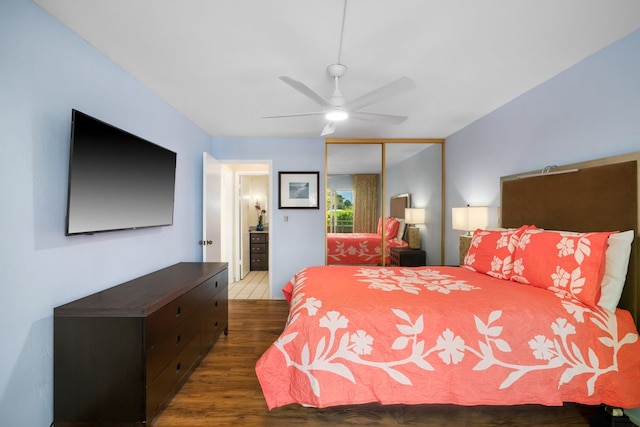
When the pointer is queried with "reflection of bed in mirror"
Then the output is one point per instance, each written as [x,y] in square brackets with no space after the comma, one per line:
[366,248]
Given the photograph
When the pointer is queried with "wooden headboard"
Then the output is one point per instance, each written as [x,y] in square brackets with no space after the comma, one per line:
[601,195]
[398,203]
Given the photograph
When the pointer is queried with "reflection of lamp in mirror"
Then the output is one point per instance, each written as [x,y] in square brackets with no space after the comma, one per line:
[468,218]
[414,216]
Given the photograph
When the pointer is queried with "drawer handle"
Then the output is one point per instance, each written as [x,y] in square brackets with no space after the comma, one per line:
[216,284]
[178,367]
[215,304]
[215,325]
[178,311]
[178,339]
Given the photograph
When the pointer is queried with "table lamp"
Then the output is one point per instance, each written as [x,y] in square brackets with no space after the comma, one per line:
[414,216]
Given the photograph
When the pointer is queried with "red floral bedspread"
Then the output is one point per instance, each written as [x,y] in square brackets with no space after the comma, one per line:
[359,248]
[444,335]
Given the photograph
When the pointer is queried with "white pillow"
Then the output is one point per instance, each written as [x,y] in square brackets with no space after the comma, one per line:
[401,227]
[615,273]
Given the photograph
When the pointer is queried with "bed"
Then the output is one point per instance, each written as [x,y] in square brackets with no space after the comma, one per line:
[523,321]
[366,248]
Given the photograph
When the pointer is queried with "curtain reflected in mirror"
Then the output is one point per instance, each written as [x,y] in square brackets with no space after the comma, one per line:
[366,194]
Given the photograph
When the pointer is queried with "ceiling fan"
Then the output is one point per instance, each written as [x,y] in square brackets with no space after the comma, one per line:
[337,108]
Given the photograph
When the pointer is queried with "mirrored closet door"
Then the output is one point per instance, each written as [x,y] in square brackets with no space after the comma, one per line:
[363,182]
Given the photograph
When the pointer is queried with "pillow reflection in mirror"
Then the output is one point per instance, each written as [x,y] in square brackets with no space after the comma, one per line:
[401,229]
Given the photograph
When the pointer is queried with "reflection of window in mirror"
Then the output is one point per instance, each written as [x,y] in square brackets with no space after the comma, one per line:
[339,211]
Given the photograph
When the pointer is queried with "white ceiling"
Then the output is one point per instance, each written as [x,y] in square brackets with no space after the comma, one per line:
[218,62]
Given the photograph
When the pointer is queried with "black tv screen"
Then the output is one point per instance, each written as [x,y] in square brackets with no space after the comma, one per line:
[117,181]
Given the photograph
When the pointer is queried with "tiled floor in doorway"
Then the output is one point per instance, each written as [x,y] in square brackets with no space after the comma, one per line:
[255,285]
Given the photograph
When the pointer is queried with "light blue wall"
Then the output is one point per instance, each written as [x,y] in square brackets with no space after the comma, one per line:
[299,242]
[590,111]
[45,71]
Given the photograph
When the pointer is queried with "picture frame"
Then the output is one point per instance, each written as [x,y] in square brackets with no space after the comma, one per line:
[298,190]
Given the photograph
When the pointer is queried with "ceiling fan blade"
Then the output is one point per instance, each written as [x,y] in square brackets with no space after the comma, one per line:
[377,117]
[306,91]
[396,87]
[282,116]
[329,128]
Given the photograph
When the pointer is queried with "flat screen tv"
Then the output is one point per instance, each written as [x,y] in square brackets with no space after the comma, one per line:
[117,181]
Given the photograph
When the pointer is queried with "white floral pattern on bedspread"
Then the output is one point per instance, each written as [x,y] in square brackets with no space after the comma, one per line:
[344,344]
[359,248]
[412,281]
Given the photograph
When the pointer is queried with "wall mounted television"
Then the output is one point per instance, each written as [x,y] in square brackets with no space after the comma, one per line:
[117,181]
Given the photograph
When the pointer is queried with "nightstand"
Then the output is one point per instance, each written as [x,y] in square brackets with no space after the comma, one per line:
[406,257]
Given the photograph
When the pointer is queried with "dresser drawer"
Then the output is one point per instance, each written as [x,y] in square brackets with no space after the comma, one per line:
[215,285]
[258,248]
[172,343]
[258,238]
[215,319]
[169,317]
[258,261]
[170,377]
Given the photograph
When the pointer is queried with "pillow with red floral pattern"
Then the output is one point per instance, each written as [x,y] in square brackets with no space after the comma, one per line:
[567,263]
[491,251]
[391,226]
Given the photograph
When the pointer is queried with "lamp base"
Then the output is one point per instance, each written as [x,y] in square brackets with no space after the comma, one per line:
[413,237]
[465,244]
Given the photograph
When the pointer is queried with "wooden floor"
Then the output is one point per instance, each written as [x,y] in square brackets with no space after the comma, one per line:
[224,390]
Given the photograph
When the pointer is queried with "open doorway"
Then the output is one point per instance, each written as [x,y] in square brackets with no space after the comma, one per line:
[249,261]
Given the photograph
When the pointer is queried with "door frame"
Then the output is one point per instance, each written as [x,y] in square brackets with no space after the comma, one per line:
[245,167]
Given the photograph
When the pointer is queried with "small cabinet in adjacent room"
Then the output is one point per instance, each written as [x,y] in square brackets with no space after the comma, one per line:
[259,241]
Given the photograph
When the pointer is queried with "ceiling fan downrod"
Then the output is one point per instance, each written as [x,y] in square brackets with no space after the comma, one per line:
[337,100]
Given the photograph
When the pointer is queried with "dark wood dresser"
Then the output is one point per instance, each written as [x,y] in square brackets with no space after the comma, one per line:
[259,244]
[122,353]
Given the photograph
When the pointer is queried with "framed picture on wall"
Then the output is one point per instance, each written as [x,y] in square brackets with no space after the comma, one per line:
[298,190]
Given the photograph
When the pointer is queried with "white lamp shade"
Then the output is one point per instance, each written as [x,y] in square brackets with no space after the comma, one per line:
[415,216]
[469,218]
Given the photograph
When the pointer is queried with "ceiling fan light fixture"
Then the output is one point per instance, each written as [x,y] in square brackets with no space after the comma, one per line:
[336,115]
